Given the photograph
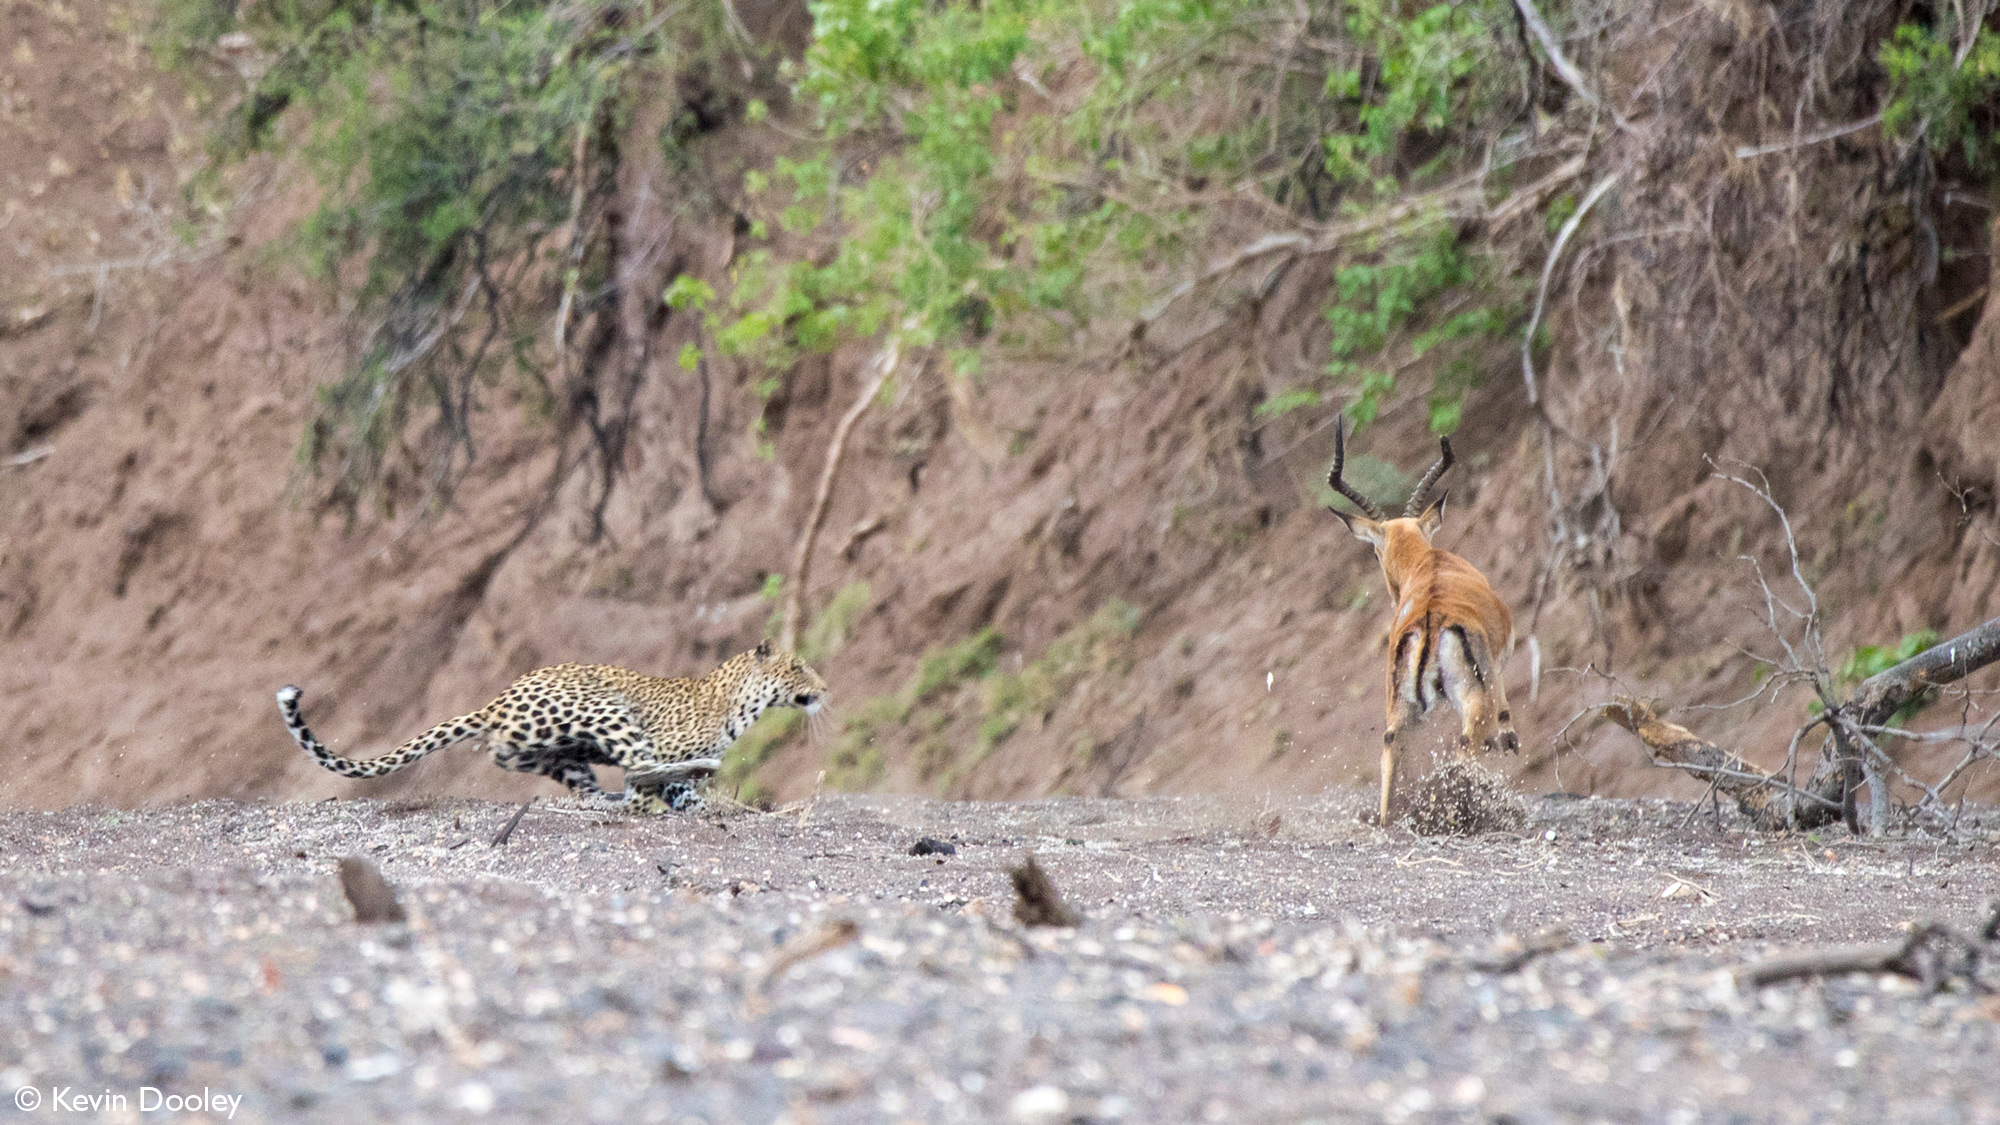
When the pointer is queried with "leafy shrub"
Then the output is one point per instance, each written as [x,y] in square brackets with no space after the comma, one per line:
[450,140]
[963,178]
[951,171]
[1935,98]
[1870,660]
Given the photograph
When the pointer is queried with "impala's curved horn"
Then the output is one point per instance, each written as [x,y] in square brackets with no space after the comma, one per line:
[1334,482]
[1424,486]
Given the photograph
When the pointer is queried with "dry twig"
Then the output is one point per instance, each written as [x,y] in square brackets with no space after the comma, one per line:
[506,832]
[1931,953]
[1512,953]
[1567,70]
[825,939]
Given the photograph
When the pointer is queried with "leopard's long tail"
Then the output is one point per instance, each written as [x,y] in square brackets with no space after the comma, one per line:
[436,738]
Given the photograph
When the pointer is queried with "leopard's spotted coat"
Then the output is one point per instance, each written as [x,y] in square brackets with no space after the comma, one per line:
[668,735]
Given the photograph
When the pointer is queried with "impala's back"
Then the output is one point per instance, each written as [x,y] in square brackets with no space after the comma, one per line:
[1451,632]
[1450,637]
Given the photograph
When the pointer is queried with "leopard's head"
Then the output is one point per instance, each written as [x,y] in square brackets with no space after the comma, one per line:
[780,679]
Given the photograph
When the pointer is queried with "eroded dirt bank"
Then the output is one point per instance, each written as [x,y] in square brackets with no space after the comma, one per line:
[1146,548]
[1237,962]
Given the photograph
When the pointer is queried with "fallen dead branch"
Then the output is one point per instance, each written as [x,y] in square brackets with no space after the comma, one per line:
[1850,755]
[1884,693]
[1932,953]
[1769,802]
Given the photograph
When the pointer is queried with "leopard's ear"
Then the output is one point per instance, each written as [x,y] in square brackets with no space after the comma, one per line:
[764,649]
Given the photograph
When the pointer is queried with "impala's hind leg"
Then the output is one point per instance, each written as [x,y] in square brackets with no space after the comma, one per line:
[1474,686]
[1498,732]
[1404,714]
[1503,718]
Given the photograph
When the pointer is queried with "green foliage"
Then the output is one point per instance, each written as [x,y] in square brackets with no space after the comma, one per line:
[1288,400]
[1418,98]
[448,140]
[1378,480]
[434,175]
[1377,302]
[959,200]
[953,171]
[1869,660]
[939,693]
[1414,76]
[1930,94]
[185,27]
[689,293]
[941,668]
[856,761]
[740,763]
[1096,645]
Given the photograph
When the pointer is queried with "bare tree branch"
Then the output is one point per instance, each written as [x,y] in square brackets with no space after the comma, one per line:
[1932,953]
[1884,693]
[1567,70]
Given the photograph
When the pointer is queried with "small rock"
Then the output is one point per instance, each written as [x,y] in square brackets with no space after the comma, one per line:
[1038,1103]
[373,899]
[373,1068]
[929,846]
[475,1097]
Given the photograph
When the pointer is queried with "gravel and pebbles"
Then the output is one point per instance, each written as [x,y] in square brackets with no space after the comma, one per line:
[1259,963]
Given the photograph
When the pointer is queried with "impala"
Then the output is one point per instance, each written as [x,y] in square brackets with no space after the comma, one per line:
[1451,631]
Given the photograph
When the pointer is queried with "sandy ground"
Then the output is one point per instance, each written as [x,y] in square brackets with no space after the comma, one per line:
[1235,963]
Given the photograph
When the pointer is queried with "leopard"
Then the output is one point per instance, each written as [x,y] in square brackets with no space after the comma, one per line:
[668,735]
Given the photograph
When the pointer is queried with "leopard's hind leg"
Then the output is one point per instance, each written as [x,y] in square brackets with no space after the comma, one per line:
[567,760]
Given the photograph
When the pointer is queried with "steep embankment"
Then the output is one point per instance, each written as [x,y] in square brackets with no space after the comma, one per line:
[1170,610]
